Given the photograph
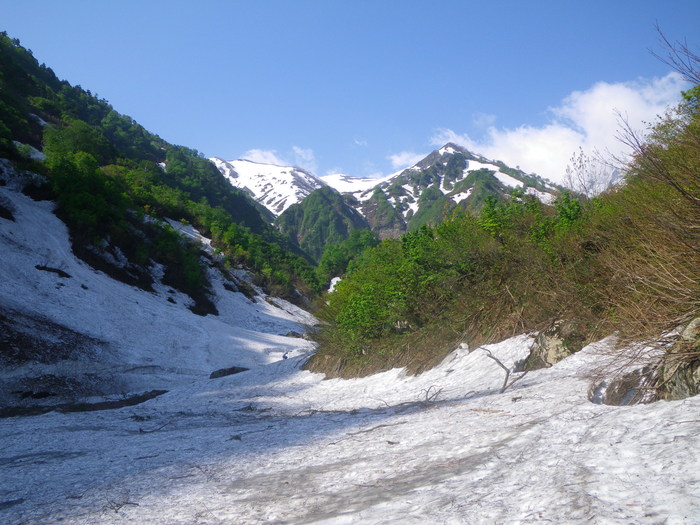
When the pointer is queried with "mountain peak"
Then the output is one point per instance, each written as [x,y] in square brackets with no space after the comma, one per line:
[451,148]
[275,187]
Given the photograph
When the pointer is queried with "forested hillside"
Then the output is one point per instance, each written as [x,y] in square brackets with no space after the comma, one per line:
[109,175]
[322,218]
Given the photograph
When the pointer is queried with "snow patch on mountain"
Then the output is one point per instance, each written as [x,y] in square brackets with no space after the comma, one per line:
[507,180]
[349,184]
[275,187]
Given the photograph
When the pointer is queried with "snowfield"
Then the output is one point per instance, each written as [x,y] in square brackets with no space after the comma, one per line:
[277,444]
[275,187]
[280,445]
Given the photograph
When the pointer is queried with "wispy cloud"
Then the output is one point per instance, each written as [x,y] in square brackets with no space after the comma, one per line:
[404,159]
[300,157]
[588,119]
[483,120]
[264,156]
[305,158]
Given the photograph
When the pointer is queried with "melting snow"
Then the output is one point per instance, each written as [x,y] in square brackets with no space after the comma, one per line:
[459,197]
[276,187]
[508,180]
[277,444]
[544,197]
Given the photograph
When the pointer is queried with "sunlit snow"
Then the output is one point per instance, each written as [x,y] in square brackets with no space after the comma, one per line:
[276,187]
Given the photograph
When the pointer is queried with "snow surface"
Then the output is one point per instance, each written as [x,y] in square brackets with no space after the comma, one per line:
[187,230]
[462,195]
[544,197]
[275,187]
[447,150]
[277,444]
[280,445]
[148,340]
[349,184]
[507,180]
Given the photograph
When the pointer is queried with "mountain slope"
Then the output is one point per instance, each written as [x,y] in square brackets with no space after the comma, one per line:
[425,193]
[275,187]
[107,173]
[323,217]
[73,332]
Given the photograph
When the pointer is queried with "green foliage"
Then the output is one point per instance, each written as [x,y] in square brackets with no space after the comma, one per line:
[626,261]
[374,299]
[103,171]
[337,256]
[77,136]
[322,218]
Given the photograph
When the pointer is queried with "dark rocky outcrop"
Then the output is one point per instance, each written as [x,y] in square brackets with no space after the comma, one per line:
[222,372]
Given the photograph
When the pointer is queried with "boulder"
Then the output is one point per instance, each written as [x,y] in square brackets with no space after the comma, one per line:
[560,340]
[680,375]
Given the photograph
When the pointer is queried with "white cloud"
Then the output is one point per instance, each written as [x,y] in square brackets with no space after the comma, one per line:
[264,156]
[405,159]
[483,120]
[588,119]
[304,158]
[301,157]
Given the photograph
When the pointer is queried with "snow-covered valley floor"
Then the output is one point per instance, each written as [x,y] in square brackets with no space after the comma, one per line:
[280,445]
[277,444]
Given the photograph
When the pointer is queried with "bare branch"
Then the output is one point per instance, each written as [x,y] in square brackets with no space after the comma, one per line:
[679,57]
[506,385]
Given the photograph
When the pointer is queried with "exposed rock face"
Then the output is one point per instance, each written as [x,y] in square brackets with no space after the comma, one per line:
[680,376]
[560,340]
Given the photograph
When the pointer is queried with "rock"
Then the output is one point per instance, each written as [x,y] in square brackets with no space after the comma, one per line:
[227,371]
[681,372]
[560,340]
[683,382]
[692,331]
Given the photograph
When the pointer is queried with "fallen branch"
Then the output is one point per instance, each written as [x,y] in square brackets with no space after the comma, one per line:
[142,431]
[506,385]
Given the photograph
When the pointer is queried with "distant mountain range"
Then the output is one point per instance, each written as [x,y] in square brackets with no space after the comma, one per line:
[315,211]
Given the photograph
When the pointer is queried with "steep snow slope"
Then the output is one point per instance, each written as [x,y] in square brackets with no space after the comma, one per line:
[275,187]
[280,445]
[129,339]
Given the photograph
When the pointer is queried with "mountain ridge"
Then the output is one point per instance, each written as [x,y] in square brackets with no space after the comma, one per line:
[448,178]
[275,187]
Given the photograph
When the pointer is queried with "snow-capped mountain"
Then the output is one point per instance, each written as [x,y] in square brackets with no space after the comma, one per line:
[275,187]
[448,170]
[447,178]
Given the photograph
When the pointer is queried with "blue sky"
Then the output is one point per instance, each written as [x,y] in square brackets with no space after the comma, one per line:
[365,87]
